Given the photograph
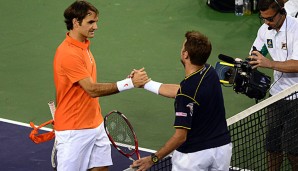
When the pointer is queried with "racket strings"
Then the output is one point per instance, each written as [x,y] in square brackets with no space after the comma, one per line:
[121,133]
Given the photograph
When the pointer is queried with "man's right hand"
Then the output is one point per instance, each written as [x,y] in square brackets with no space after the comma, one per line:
[139,77]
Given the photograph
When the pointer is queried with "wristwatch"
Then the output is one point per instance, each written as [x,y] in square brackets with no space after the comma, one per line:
[154,158]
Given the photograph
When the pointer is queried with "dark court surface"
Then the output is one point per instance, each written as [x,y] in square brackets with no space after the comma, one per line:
[19,153]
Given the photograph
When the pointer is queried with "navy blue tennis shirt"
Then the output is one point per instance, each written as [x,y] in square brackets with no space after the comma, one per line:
[199,107]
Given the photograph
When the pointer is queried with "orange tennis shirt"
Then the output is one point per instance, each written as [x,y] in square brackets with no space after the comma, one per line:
[73,61]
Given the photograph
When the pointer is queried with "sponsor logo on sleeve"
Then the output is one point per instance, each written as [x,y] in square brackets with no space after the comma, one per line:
[181,114]
[190,106]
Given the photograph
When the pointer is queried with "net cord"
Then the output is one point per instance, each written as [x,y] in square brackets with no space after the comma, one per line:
[261,105]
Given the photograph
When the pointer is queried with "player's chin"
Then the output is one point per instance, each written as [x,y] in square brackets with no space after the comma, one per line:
[91,34]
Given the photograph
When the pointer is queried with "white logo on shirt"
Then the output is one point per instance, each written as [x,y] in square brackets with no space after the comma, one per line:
[190,106]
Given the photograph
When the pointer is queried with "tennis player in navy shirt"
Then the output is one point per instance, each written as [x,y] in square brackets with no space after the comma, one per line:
[201,141]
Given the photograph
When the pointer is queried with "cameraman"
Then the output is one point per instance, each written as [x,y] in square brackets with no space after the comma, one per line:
[280,35]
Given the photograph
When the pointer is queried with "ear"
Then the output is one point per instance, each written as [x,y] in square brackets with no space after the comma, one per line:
[75,23]
[185,54]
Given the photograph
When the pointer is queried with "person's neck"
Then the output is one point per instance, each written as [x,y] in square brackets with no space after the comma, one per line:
[281,20]
[189,69]
[76,36]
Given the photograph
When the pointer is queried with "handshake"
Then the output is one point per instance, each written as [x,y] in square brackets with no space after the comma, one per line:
[139,79]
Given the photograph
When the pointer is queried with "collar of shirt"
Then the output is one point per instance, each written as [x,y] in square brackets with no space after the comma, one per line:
[83,45]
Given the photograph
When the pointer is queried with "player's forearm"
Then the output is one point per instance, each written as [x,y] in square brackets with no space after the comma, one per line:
[102,89]
[105,89]
[173,143]
[167,90]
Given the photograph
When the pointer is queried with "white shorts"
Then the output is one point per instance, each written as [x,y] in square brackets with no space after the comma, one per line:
[80,150]
[213,159]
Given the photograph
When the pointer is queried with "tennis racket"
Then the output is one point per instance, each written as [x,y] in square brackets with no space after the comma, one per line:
[121,134]
[54,150]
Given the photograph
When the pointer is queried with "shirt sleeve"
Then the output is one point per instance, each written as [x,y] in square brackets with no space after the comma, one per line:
[291,7]
[295,46]
[183,112]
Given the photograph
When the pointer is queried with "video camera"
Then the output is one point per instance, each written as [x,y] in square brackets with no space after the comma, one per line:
[242,77]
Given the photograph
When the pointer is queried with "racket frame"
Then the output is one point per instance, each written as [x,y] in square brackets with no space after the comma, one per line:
[136,148]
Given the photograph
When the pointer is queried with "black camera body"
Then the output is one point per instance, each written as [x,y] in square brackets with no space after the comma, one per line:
[250,82]
[243,78]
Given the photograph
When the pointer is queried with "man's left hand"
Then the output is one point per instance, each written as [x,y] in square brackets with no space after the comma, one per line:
[142,164]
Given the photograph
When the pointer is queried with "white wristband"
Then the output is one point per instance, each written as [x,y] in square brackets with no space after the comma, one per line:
[125,84]
[153,86]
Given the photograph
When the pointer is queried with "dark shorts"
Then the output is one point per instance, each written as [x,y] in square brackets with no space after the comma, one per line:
[282,127]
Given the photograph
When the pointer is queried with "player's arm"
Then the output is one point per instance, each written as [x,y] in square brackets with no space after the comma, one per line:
[173,143]
[103,89]
[99,89]
[167,90]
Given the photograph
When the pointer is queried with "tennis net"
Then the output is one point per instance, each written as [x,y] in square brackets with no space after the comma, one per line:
[264,136]
[249,130]
[165,165]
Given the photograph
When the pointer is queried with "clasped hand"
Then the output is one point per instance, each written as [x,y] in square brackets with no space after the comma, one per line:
[139,77]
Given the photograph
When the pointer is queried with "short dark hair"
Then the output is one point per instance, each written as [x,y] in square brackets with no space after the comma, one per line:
[79,10]
[198,47]
[276,5]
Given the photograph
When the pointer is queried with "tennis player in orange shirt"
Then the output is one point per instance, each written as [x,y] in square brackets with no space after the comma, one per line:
[82,143]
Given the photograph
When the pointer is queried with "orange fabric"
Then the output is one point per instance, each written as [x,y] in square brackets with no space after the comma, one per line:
[40,138]
[73,61]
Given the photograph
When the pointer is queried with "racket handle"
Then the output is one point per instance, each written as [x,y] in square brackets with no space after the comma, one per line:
[52,107]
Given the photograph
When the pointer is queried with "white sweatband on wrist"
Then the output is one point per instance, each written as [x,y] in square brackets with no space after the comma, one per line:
[125,84]
[153,86]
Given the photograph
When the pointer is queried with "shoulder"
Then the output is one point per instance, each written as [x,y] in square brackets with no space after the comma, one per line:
[211,72]
[67,56]
[292,25]
[292,21]
[291,7]
[67,49]
[263,29]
